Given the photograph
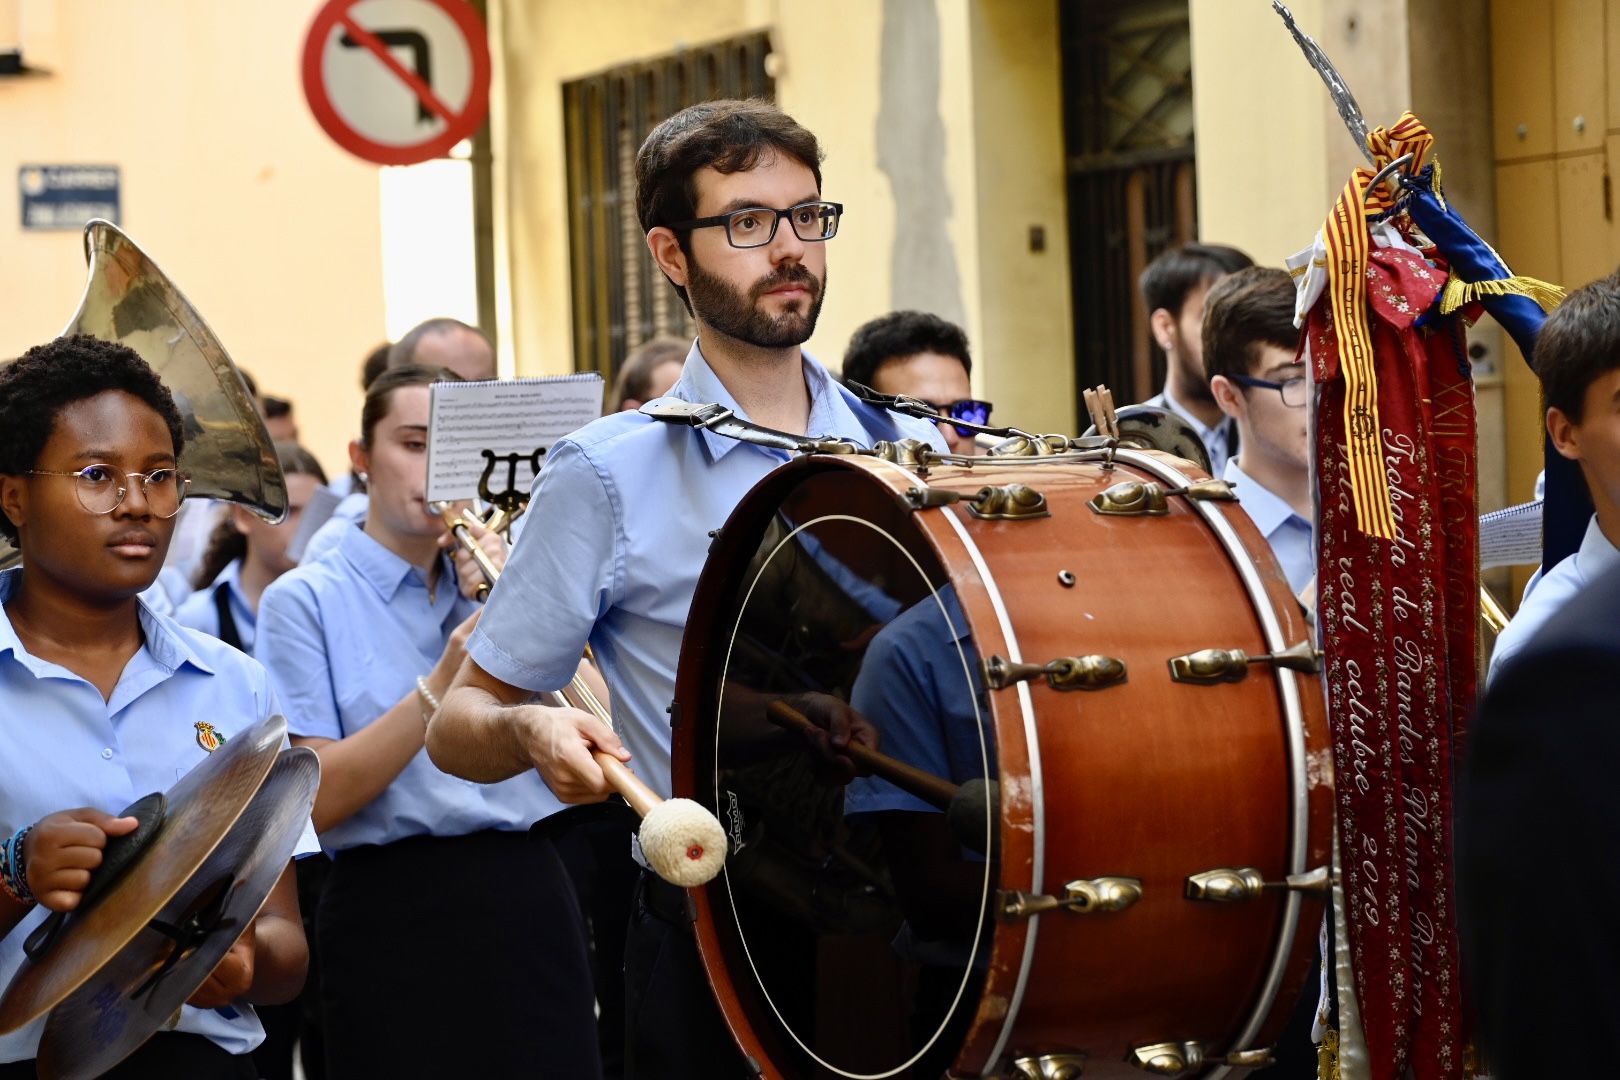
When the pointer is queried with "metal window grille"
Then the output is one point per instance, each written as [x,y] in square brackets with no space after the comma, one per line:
[619,297]
[1127,88]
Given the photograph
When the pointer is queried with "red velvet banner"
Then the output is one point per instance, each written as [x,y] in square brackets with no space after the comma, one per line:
[1398,617]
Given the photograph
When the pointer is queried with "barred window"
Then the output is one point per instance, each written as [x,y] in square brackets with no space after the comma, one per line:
[620,299]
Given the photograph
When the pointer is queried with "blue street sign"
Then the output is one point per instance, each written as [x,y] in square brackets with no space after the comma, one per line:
[67,196]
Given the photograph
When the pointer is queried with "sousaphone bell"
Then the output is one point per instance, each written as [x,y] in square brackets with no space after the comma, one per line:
[228,454]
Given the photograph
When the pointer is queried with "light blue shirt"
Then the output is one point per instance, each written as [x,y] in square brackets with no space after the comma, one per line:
[1288,534]
[618,533]
[201,612]
[63,746]
[1219,440]
[344,639]
[1554,589]
[919,686]
[350,511]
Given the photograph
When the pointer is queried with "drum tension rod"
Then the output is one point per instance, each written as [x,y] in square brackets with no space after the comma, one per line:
[1065,673]
[1006,502]
[1083,897]
[1149,498]
[1234,884]
[1181,1058]
[1209,666]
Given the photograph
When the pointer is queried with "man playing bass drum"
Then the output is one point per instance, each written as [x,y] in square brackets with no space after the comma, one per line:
[729,193]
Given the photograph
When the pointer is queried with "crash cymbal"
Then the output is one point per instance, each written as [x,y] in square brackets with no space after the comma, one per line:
[201,808]
[147,981]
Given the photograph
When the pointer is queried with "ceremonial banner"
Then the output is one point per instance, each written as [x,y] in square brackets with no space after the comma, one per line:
[1393,430]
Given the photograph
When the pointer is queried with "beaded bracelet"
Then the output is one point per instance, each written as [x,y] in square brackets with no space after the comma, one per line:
[427,696]
[13,872]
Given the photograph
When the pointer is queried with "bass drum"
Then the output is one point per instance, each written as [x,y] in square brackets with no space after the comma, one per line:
[1084,841]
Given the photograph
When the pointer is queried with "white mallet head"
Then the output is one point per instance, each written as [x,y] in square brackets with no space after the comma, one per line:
[683,842]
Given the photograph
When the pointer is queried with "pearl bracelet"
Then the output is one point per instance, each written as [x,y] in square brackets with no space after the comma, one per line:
[427,697]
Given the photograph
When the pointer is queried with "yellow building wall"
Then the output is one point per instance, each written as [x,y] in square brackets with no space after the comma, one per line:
[268,228]
[999,102]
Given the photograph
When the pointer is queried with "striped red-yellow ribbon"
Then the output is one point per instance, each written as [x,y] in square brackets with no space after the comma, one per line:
[1348,241]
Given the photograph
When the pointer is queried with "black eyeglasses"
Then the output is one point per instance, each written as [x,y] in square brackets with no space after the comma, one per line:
[755,226]
[1292,390]
[971,410]
[101,488]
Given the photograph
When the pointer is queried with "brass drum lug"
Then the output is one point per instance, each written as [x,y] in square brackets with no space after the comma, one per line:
[1140,498]
[834,446]
[1030,446]
[1065,673]
[1049,1067]
[1009,502]
[1209,666]
[1088,896]
[1227,884]
[1131,498]
[1168,1058]
[909,453]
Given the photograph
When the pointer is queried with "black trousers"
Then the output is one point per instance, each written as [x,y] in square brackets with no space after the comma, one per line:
[294,1029]
[673,1027]
[168,1055]
[455,956]
[596,852]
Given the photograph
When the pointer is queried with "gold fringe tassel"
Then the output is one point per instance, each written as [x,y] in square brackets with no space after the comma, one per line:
[1459,293]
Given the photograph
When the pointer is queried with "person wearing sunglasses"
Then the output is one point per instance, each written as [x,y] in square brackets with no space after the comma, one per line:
[925,357]
[1251,354]
[102,699]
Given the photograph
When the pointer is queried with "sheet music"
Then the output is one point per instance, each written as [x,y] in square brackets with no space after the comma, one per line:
[506,416]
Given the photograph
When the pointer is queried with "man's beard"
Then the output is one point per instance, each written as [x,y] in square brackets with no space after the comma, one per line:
[1196,383]
[736,315]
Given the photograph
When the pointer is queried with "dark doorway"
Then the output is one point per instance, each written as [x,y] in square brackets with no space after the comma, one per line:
[1128,129]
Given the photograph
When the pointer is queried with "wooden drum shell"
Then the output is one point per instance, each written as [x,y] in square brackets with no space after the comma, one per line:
[1148,779]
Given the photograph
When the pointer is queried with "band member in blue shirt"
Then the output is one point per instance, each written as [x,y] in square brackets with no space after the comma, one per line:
[245,554]
[101,700]
[729,194]
[450,939]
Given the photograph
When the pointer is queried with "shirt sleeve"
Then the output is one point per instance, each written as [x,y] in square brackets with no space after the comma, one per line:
[291,644]
[558,581]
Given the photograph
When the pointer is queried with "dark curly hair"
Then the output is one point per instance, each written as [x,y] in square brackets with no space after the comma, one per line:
[898,335]
[729,136]
[36,386]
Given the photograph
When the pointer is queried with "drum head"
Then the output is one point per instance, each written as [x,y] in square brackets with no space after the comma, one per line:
[854,911]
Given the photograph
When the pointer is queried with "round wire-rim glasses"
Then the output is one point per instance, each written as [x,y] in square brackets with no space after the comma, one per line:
[100,492]
[755,226]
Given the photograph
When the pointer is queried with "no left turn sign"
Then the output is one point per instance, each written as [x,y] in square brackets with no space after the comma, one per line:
[397,81]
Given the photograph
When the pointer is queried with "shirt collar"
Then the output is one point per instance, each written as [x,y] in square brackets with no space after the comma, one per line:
[168,645]
[1596,553]
[1268,510]
[381,568]
[699,384]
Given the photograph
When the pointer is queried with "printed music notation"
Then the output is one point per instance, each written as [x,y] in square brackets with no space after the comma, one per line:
[506,416]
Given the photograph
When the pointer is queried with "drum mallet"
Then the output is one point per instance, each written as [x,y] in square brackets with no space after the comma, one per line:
[683,842]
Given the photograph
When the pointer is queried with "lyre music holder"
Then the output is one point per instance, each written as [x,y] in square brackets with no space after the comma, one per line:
[511,501]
